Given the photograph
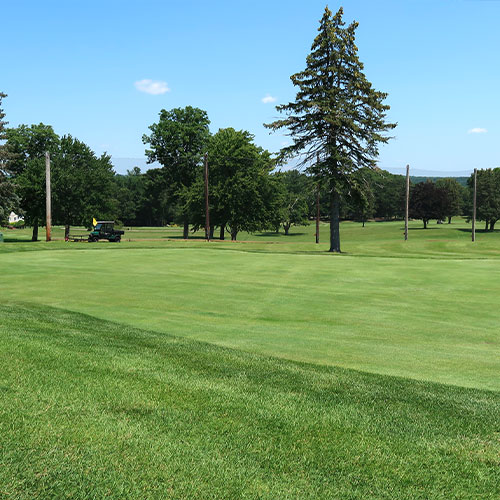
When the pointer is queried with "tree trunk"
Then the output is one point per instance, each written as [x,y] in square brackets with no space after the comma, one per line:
[234,233]
[211,232]
[486,225]
[449,220]
[286,227]
[425,223]
[185,233]
[222,228]
[34,236]
[66,232]
[334,221]
[363,222]
[492,225]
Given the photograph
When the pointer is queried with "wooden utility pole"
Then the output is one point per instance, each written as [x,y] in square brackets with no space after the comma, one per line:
[474,207]
[317,207]
[407,202]
[317,213]
[207,208]
[48,207]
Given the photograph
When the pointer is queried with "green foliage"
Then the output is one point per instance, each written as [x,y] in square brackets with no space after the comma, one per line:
[130,197]
[28,145]
[178,142]
[8,198]
[488,196]
[337,119]
[241,193]
[427,201]
[294,193]
[83,184]
[454,196]
[389,190]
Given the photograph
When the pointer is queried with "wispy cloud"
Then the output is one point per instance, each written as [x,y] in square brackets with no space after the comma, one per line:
[477,130]
[153,87]
[268,98]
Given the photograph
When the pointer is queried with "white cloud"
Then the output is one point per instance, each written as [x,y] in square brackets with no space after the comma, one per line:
[477,130]
[269,98]
[153,87]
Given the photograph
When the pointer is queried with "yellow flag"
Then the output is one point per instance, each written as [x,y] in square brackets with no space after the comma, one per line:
[94,222]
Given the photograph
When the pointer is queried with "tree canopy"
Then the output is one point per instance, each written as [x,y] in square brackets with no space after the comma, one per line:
[337,119]
[28,145]
[178,142]
[240,192]
[488,196]
[427,201]
[8,197]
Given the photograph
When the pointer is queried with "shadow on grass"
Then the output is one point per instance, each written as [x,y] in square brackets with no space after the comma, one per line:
[481,231]
[421,228]
[180,237]
[8,239]
[272,234]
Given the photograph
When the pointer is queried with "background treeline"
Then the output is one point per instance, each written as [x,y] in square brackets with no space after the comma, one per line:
[248,192]
[374,194]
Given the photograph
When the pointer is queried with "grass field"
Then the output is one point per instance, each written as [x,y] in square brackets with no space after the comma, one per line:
[90,408]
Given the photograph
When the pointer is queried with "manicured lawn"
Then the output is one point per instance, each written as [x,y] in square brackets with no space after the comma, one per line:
[92,409]
[163,368]
[433,316]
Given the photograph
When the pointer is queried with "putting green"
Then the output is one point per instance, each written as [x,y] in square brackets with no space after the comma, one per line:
[425,318]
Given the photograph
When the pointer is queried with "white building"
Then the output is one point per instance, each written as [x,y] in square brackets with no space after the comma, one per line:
[13,218]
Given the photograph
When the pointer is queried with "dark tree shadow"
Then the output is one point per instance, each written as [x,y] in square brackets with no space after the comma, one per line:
[481,231]
[272,234]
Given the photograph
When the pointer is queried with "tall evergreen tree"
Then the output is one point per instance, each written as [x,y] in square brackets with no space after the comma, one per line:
[337,114]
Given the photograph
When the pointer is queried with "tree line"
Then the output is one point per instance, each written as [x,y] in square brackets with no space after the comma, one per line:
[336,123]
[247,192]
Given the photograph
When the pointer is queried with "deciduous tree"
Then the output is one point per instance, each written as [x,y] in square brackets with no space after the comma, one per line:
[454,197]
[178,142]
[8,198]
[488,196]
[82,184]
[27,145]
[427,201]
[293,194]
[240,188]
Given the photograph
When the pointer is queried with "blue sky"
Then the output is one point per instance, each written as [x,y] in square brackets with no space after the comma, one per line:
[83,67]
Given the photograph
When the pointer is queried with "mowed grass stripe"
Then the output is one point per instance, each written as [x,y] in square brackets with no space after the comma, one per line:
[93,409]
[427,319]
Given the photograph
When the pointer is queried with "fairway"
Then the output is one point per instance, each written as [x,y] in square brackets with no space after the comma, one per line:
[93,409]
[163,368]
[430,317]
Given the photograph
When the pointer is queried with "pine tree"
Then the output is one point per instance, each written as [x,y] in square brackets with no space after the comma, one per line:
[336,116]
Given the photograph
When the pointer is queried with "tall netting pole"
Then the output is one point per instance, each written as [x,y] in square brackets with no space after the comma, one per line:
[48,200]
[474,207]
[207,208]
[317,208]
[407,201]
